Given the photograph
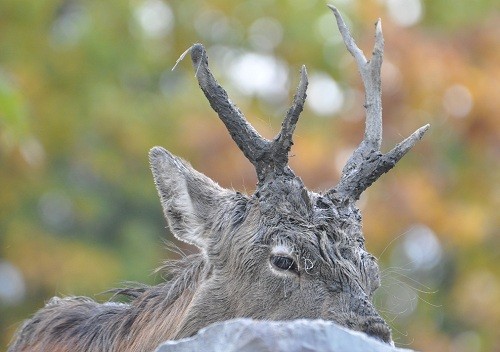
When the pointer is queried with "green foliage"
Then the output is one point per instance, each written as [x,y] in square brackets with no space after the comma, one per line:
[86,89]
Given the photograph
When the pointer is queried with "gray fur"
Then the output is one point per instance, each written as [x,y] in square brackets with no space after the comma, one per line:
[283,253]
[232,276]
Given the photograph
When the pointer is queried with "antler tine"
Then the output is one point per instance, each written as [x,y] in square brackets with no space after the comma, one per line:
[251,143]
[370,74]
[367,164]
[283,140]
[268,157]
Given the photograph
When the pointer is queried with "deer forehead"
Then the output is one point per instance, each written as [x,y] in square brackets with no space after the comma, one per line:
[283,249]
[324,259]
[318,242]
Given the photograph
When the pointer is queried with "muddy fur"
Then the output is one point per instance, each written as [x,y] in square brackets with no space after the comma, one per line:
[282,253]
[233,275]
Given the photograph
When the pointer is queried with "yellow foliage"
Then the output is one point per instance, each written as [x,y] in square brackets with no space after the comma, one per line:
[66,265]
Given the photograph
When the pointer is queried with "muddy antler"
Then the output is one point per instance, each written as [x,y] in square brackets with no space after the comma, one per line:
[270,158]
[367,163]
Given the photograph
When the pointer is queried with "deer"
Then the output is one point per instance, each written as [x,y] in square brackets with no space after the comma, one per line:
[282,253]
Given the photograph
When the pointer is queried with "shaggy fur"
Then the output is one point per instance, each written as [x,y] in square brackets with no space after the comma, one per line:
[283,253]
[232,276]
[80,324]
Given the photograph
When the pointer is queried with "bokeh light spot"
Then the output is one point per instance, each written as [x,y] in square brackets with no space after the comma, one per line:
[12,287]
[261,75]
[324,95]
[405,13]
[56,210]
[422,247]
[33,152]
[155,18]
[265,34]
[457,101]
[70,24]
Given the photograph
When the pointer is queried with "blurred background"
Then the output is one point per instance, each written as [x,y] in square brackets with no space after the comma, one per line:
[86,89]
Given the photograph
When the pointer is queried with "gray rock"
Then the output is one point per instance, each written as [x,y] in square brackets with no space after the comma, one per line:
[247,335]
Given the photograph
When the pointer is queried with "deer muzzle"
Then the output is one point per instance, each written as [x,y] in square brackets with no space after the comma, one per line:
[376,327]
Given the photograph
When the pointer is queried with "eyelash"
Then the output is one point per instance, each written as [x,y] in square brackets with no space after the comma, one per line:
[284,263]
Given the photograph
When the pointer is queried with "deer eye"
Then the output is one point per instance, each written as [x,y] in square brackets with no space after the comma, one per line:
[284,263]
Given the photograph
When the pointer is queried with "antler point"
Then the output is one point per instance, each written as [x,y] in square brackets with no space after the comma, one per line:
[331,7]
[197,51]
[421,131]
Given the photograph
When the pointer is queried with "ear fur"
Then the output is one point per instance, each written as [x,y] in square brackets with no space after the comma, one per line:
[190,200]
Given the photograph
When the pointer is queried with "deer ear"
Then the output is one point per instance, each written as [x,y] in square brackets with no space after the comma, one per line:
[190,199]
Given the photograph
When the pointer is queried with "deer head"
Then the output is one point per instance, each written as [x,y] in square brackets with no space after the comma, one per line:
[284,252]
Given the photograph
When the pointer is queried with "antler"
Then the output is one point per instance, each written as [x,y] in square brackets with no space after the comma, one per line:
[367,163]
[270,158]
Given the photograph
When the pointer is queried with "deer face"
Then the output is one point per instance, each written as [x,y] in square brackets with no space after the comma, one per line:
[298,267]
[284,253]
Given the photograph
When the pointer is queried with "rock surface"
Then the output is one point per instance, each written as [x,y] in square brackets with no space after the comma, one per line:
[247,335]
